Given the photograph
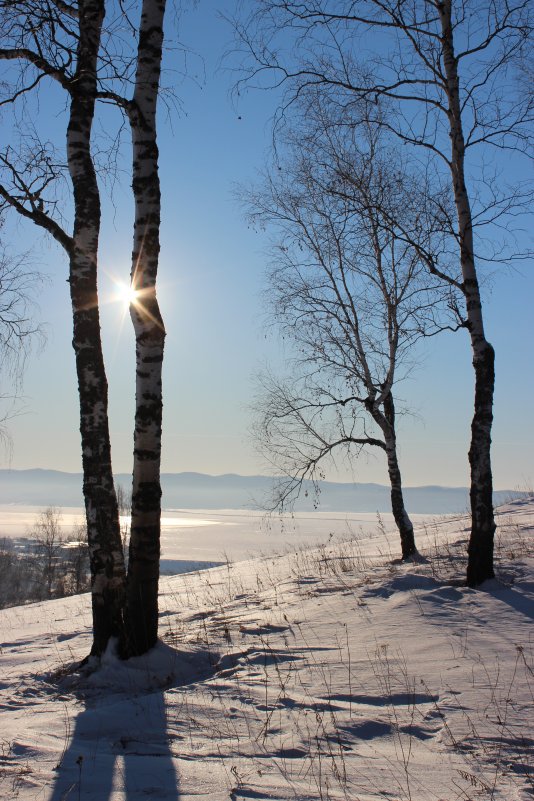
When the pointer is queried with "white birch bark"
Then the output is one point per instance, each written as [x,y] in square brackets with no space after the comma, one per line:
[385,419]
[143,564]
[480,563]
[106,557]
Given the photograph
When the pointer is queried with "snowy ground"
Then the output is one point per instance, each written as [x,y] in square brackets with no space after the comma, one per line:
[333,672]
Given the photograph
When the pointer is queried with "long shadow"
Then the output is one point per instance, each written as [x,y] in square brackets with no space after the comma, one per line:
[520,601]
[119,745]
[122,739]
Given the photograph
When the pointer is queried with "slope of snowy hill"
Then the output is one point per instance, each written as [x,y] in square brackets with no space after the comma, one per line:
[333,672]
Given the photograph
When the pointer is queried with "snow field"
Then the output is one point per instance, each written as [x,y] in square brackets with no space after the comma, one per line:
[332,672]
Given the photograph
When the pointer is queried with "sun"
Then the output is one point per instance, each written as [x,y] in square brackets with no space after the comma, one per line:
[126,294]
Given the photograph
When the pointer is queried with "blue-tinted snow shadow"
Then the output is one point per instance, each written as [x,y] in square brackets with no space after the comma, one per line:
[122,739]
[172,567]
[519,597]
[122,747]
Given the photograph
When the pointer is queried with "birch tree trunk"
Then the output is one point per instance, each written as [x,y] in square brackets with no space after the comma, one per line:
[106,557]
[386,421]
[144,553]
[480,561]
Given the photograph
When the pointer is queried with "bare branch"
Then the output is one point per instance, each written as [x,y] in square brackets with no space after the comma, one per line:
[24,54]
[40,218]
[65,8]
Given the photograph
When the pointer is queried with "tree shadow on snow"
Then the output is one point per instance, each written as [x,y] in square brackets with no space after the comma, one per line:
[116,750]
[521,599]
[121,745]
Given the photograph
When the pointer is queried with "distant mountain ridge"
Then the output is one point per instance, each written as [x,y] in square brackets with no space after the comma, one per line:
[40,487]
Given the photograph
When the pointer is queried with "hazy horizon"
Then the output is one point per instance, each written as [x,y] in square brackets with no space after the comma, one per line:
[231,491]
[230,473]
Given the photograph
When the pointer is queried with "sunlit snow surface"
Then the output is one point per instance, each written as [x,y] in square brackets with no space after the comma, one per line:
[331,672]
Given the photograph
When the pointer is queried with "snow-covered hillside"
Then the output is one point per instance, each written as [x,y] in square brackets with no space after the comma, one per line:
[328,673]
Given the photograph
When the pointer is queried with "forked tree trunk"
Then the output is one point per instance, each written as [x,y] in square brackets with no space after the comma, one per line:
[480,560]
[103,531]
[386,422]
[143,564]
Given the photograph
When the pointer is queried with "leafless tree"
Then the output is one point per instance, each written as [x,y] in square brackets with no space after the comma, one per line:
[48,564]
[14,577]
[141,607]
[350,293]
[70,46]
[145,531]
[448,71]
[19,286]
[61,43]
[49,542]
[75,576]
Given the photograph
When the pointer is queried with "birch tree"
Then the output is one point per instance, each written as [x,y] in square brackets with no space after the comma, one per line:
[351,294]
[144,553]
[19,287]
[448,71]
[68,45]
[61,43]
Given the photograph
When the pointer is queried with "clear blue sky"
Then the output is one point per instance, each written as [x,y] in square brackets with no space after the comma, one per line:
[210,278]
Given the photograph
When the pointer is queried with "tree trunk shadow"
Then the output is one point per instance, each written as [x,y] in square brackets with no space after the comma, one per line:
[122,747]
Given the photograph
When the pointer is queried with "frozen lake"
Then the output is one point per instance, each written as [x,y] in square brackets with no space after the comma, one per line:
[197,538]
